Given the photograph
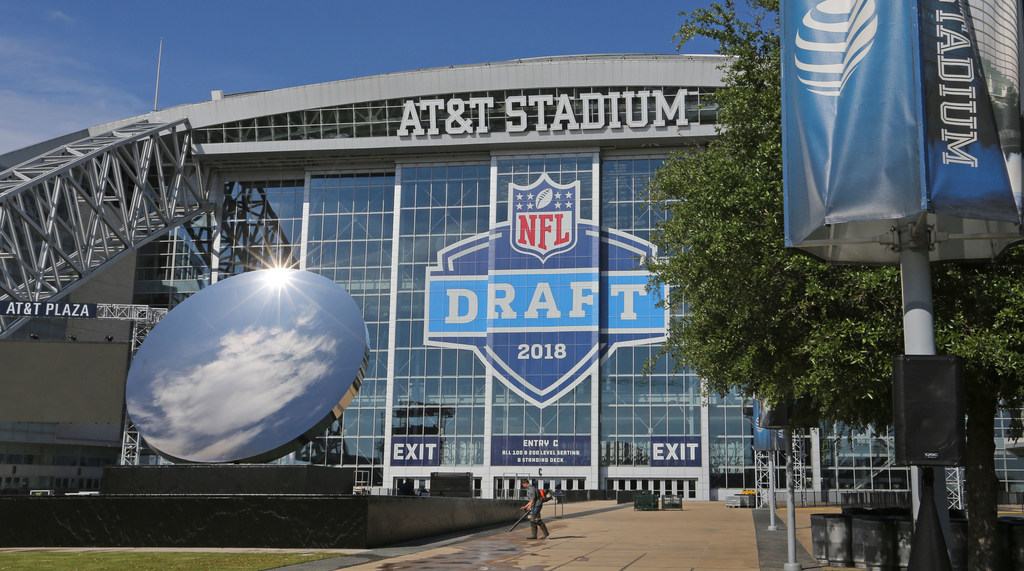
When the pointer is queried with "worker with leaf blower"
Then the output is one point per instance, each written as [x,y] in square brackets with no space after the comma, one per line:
[535,500]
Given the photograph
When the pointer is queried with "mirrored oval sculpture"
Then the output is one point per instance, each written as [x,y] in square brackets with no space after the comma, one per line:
[248,369]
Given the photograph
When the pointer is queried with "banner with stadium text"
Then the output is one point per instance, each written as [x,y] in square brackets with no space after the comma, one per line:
[890,110]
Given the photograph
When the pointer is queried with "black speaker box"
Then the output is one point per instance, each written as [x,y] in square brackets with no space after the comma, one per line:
[799,414]
[928,410]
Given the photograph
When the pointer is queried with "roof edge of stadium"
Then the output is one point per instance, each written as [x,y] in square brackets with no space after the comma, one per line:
[411,84]
[538,59]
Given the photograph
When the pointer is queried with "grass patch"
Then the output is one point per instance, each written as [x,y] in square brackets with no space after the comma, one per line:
[146,560]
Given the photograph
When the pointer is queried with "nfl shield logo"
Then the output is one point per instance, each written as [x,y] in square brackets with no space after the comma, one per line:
[543,217]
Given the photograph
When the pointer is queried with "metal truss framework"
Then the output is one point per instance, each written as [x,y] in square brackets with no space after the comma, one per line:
[799,438]
[762,473]
[955,488]
[67,212]
[143,318]
[763,465]
[251,234]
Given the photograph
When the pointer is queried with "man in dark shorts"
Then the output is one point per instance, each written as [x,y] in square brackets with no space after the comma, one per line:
[533,505]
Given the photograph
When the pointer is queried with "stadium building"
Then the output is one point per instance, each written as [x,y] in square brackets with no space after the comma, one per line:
[489,219]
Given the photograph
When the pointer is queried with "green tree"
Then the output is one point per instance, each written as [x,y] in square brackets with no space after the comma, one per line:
[766,321]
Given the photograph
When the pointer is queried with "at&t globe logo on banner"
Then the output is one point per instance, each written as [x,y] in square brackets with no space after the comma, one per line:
[831,40]
[544,296]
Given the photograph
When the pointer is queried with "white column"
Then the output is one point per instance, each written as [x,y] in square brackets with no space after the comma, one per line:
[389,396]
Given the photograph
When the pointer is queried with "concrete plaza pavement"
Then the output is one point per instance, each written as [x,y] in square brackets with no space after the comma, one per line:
[598,536]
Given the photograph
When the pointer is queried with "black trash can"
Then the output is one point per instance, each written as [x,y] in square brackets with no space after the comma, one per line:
[1014,533]
[958,543]
[837,530]
[904,530]
[873,543]
[819,538]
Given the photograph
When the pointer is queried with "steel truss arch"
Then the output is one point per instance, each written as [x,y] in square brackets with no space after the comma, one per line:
[67,212]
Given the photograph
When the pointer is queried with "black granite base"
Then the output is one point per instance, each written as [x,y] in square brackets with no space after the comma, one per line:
[227,479]
[241,521]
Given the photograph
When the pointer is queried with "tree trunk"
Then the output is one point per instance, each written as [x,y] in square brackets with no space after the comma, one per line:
[983,546]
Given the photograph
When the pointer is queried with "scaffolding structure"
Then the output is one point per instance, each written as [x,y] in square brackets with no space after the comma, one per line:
[763,471]
[143,318]
[71,210]
[799,438]
[762,475]
[955,488]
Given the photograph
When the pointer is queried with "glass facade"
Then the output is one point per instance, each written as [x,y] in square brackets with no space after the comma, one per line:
[377,232]
[47,461]
[348,240]
[859,461]
[388,218]
[437,392]
[1009,466]
[731,442]
[380,232]
[636,406]
[170,269]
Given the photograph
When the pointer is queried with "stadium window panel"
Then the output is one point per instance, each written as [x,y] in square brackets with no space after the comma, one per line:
[549,418]
[623,421]
[449,394]
[516,419]
[565,419]
[499,420]
[477,428]
[533,425]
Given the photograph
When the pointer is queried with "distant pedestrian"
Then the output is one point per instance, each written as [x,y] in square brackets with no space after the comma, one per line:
[533,505]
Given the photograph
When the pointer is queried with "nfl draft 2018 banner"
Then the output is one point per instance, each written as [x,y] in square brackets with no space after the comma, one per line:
[545,295]
[887,112]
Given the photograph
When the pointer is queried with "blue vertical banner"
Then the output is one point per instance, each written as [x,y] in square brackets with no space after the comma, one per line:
[766,438]
[886,115]
[966,171]
[849,113]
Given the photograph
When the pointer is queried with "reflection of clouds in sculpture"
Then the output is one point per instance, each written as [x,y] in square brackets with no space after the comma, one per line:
[245,369]
[215,408]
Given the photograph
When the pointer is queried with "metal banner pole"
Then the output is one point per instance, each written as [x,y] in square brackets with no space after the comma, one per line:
[792,564]
[919,339]
[771,486]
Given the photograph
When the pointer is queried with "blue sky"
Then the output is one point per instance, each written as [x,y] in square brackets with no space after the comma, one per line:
[68,65]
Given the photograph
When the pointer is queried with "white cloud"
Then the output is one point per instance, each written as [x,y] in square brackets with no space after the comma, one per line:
[58,15]
[257,392]
[46,94]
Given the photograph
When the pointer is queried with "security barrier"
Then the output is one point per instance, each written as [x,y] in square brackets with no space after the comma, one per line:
[645,502]
[672,502]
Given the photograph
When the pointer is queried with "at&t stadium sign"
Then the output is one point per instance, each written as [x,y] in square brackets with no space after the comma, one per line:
[549,112]
[543,297]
